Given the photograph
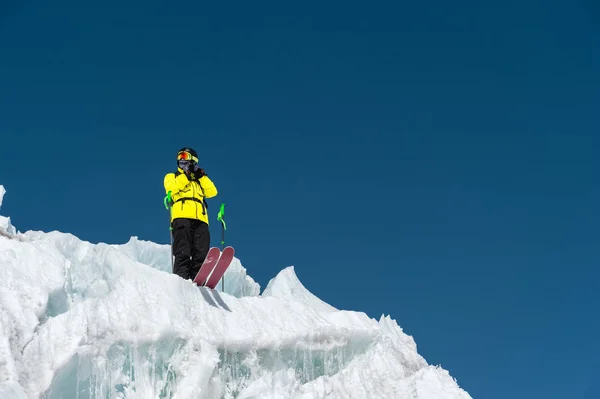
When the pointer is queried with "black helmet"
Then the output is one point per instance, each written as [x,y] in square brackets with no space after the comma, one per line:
[187,154]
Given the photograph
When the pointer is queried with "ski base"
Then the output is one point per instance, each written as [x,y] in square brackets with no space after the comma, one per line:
[207,267]
[221,267]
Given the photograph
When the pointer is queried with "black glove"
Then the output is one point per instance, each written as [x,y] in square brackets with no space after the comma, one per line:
[198,171]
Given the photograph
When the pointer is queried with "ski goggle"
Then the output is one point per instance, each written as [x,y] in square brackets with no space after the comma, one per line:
[186,156]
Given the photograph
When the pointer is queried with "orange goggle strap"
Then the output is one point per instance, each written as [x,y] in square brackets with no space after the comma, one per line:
[186,156]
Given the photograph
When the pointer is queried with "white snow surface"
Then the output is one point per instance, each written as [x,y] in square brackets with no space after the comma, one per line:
[83,320]
[287,286]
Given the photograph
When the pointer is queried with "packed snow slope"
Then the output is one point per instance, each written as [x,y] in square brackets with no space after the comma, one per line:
[79,320]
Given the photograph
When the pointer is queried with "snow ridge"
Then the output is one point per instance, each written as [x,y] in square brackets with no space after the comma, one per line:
[111,321]
[286,285]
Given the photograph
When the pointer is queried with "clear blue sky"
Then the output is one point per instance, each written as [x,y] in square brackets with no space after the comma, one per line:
[436,161]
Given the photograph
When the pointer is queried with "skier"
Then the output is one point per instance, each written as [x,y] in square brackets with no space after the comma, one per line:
[187,189]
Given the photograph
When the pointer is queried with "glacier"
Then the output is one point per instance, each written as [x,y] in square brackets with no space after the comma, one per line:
[83,320]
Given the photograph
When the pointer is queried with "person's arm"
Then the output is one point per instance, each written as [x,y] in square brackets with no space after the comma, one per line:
[208,187]
[210,190]
[175,184]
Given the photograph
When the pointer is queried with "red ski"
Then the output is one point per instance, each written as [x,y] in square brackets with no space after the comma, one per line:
[221,267]
[209,264]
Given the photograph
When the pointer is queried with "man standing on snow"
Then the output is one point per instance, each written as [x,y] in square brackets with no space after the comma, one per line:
[187,189]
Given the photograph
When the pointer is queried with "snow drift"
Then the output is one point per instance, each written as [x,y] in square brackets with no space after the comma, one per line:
[79,320]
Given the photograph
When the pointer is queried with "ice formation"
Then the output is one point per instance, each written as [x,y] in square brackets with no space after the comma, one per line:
[80,320]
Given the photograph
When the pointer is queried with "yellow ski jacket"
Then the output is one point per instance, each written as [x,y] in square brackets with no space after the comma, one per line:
[188,195]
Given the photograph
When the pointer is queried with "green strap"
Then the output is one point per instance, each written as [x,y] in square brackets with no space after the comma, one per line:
[221,215]
[168,201]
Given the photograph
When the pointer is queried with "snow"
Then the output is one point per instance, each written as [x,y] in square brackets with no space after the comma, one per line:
[238,283]
[5,227]
[83,320]
[287,286]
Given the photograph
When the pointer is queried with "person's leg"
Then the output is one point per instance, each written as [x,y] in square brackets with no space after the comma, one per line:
[200,246]
[182,247]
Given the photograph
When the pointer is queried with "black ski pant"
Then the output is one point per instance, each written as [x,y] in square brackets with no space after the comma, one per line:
[191,241]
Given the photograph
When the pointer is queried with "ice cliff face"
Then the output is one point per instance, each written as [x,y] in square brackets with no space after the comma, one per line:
[79,320]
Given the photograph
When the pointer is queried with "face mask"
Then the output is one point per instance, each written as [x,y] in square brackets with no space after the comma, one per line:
[184,164]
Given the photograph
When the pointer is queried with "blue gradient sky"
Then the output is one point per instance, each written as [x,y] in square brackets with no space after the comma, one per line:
[436,161]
